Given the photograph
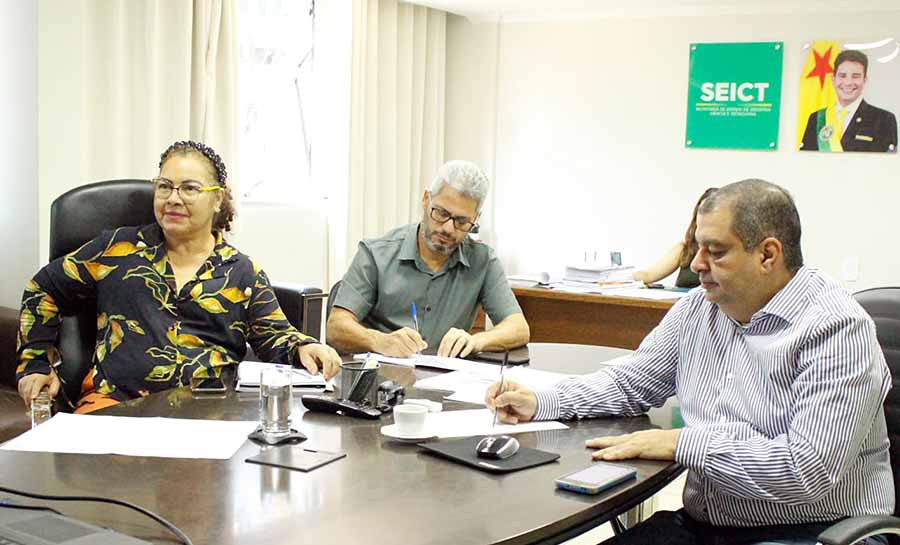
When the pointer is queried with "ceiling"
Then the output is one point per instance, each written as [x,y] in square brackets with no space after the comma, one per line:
[548,10]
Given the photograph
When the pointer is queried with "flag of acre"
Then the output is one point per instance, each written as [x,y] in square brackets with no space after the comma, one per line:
[816,89]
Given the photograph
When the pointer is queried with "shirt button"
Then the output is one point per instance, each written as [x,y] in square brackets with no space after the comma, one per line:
[427,309]
[729,376]
[722,420]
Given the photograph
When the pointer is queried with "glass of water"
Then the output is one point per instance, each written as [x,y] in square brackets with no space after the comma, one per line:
[41,408]
[275,401]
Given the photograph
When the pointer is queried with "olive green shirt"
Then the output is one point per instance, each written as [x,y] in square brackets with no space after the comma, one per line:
[388,275]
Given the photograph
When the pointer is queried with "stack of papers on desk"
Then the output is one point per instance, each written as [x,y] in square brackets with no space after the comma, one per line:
[642,293]
[249,371]
[607,287]
[593,273]
[542,279]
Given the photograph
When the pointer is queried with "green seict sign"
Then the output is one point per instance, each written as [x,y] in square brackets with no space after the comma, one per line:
[734,96]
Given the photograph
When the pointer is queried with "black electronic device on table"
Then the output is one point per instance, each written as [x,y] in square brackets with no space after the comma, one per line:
[497,447]
[517,356]
[328,404]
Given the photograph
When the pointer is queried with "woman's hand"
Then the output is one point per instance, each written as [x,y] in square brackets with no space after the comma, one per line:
[31,385]
[315,356]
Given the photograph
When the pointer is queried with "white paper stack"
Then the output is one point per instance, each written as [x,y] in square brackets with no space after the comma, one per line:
[589,273]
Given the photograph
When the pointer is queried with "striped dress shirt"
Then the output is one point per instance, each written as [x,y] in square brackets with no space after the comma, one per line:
[784,422]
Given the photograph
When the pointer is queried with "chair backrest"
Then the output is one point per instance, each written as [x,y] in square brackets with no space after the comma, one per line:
[76,217]
[883,305]
[302,305]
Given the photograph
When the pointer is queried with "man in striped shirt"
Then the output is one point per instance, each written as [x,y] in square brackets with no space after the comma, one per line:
[780,379]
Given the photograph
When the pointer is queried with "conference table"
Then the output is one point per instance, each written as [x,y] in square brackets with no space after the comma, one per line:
[382,492]
[589,318]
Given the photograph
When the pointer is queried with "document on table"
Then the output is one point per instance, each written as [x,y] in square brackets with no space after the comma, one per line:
[471,386]
[249,371]
[641,293]
[479,422]
[134,436]
[436,362]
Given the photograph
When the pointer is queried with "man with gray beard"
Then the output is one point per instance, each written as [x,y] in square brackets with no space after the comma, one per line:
[435,268]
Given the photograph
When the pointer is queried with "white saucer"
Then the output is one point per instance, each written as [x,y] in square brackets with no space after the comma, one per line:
[392,432]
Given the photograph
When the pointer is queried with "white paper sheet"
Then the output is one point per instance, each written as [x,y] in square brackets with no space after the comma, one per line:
[131,436]
[248,376]
[436,362]
[641,293]
[479,422]
[471,386]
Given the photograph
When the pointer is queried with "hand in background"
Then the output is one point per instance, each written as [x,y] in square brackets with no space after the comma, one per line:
[402,343]
[457,342]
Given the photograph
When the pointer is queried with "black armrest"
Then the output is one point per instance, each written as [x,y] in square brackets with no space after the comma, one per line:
[854,529]
[302,305]
[9,328]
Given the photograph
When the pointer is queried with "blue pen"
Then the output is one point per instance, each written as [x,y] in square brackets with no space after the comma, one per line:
[415,319]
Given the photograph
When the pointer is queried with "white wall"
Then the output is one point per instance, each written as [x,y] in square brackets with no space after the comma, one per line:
[18,147]
[588,136]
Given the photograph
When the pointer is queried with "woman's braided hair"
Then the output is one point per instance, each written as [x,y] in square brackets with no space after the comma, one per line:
[223,218]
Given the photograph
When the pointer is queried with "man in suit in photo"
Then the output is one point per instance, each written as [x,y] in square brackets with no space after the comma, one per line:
[851,124]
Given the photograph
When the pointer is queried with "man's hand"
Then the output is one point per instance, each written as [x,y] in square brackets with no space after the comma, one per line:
[315,356]
[515,404]
[31,385]
[647,444]
[402,343]
[457,342]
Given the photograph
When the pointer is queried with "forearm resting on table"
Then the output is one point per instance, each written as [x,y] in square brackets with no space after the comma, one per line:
[511,332]
[347,335]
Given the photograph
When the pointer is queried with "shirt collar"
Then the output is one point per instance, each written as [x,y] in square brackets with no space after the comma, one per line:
[410,249]
[786,303]
[851,108]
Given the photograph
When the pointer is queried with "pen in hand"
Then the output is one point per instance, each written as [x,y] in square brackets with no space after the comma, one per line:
[500,386]
[415,318]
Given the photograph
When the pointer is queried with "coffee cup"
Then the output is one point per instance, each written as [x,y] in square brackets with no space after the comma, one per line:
[410,420]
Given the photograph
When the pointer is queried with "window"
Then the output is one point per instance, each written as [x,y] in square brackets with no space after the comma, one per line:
[275,70]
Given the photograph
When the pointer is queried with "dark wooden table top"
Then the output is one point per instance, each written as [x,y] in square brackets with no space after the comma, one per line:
[382,492]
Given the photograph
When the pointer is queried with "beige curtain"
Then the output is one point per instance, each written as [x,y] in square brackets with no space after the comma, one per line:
[155,71]
[396,114]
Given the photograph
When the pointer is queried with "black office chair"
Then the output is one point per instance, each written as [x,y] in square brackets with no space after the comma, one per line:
[78,216]
[302,305]
[883,305]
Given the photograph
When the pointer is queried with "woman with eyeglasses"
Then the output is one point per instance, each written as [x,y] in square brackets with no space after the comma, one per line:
[174,299]
[679,257]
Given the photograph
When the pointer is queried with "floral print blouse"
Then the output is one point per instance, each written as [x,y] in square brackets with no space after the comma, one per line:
[150,337]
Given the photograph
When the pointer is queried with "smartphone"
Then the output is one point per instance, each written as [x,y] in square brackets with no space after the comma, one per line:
[207,385]
[597,478]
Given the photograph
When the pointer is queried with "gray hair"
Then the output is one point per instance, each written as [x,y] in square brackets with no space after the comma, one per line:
[761,209]
[464,177]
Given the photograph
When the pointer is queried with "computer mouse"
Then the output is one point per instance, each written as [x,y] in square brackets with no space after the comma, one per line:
[497,447]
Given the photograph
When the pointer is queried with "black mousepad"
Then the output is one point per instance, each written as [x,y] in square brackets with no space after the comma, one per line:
[463,451]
